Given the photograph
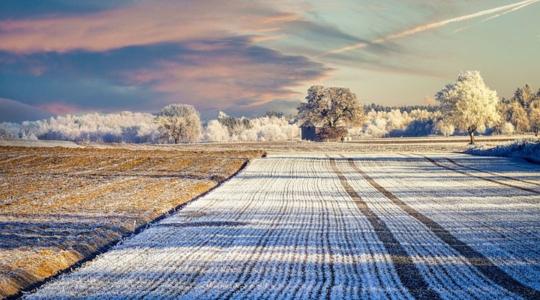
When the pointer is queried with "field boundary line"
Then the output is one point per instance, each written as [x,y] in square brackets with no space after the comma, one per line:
[33,287]
[433,161]
[407,271]
[483,264]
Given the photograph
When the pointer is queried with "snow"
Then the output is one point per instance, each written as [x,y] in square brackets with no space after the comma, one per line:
[527,148]
[287,228]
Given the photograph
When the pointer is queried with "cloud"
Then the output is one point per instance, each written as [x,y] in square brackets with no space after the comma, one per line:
[29,9]
[228,73]
[498,11]
[58,108]
[141,23]
[14,111]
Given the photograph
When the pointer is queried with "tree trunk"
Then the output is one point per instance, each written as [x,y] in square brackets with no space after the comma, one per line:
[471,135]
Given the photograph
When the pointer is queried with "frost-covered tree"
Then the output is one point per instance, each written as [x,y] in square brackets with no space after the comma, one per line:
[9,130]
[445,128]
[534,115]
[216,132]
[260,129]
[331,107]
[129,127]
[179,123]
[233,125]
[469,104]
[524,96]
[507,128]
[518,116]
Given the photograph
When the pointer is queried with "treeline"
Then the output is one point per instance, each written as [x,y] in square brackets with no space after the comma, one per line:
[466,106]
[518,114]
[177,123]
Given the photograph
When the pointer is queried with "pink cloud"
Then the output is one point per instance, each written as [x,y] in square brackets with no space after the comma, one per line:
[146,22]
[230,75]
[59,108]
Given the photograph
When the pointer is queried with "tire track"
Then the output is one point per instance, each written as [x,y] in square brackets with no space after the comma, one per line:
[436,198]
[409,274]
[490,229]
[491,173]
[475,258]
[431,160]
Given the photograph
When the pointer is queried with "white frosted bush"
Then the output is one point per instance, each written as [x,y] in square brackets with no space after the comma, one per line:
[215,132]
[507,128]
[259,129]
[9,130]
[94,127]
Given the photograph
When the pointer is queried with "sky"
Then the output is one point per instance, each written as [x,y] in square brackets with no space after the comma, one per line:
[249,57]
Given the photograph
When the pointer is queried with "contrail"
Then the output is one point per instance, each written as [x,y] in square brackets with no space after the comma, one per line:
[498,11]
[495,16]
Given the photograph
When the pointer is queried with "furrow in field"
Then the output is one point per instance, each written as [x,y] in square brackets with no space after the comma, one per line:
[407,271]
[454,162]
[491,262]
[487,216]
[446,271]
[307,227]
[282,229]
[512,185]
[509,214]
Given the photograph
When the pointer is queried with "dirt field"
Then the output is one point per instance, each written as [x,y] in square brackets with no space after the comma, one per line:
[59,206]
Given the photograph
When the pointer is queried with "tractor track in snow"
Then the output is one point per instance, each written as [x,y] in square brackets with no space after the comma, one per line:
[475,258]
[438,164]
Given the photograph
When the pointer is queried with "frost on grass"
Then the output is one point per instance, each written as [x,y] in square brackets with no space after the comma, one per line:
[288,227]
[60,205]
[523,149]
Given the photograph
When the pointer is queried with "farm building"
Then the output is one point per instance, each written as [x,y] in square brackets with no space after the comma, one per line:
[310,132]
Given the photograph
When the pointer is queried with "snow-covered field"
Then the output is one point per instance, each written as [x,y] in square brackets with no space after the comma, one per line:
[312,226]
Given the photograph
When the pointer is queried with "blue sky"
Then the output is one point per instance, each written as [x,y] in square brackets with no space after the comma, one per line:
[247,57]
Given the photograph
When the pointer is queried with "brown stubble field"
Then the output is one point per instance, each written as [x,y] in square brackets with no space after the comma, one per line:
[59,206]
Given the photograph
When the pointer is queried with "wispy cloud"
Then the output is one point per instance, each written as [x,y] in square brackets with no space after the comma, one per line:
[142,23]
[495,12]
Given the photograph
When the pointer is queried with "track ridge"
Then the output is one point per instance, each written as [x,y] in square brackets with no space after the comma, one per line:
[475,258]
[409,274]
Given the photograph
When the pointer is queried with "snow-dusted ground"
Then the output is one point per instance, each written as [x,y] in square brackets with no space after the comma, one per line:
[527,148]
[311,226]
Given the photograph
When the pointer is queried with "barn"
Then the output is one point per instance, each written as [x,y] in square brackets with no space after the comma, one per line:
[309,132]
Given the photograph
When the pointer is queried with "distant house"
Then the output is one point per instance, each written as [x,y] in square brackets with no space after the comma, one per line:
[309,132]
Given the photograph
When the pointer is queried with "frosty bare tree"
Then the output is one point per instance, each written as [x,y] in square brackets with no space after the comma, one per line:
[330,107]
[179,123]
[469,104]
